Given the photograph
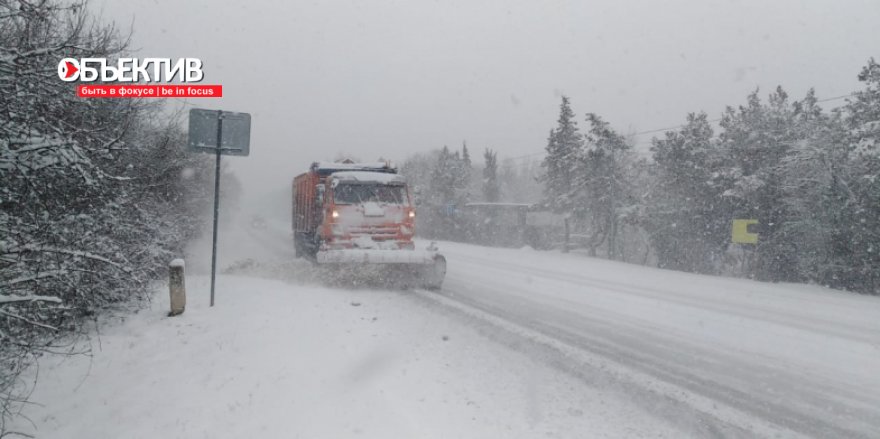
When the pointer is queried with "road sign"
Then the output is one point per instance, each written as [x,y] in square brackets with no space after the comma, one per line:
[220,133]
[208,128]
[740,233]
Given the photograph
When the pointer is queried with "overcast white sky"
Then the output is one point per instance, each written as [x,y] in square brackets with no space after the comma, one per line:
[387,78]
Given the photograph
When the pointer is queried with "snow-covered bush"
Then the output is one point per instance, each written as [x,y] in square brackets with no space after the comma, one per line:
[97,194]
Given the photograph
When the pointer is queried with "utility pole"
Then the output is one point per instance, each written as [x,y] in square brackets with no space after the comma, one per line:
[612,236]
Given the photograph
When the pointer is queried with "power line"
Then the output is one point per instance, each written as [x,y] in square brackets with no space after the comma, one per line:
[838,97]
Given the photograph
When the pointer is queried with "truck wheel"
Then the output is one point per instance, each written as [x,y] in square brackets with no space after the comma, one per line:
[305,246]
[297,247]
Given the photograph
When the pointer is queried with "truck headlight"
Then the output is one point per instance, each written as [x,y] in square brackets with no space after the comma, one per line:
[334,214]
[412,213]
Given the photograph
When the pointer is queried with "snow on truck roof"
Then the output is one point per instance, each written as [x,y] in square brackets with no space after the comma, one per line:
[368,177]
[327,168]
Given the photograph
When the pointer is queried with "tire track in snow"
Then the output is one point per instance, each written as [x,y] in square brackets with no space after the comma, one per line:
[666,402]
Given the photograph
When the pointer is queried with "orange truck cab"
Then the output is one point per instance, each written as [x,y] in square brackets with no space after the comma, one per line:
[351,206]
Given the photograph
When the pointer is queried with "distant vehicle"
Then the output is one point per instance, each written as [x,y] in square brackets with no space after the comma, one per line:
[360,213]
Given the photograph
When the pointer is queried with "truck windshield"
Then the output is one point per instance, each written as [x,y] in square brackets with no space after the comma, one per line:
[362,193]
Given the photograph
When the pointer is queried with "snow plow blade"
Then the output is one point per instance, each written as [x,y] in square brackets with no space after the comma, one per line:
[370,256]
[429,267]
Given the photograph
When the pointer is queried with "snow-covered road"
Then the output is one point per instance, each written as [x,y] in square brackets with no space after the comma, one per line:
[731,353]
[518,343]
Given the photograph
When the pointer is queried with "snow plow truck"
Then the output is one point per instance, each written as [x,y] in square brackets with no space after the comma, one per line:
[361,214]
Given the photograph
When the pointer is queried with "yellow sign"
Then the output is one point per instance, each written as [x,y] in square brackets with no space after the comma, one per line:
[740,234]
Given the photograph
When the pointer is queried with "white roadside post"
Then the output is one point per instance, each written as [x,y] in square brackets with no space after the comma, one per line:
[177,286]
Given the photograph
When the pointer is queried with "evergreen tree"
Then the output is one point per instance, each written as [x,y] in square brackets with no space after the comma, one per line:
[599,187]
[449,191]
[814,176]
[491,187]
[443,178]
[418,170]
[464,174]
[857,238]
[685,217]
[755,139]
[564,147]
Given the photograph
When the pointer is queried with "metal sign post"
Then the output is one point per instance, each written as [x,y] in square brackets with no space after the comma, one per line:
[208,133]
[216,204]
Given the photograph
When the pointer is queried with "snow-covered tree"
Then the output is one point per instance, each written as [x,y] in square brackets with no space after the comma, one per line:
[755,139]
[418,170]
[491,187]
[601,194]
[465,155]
[857,236]
[564,149]
[464,179]
[816,177]
[97,195]
[685,217]
[443,178]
